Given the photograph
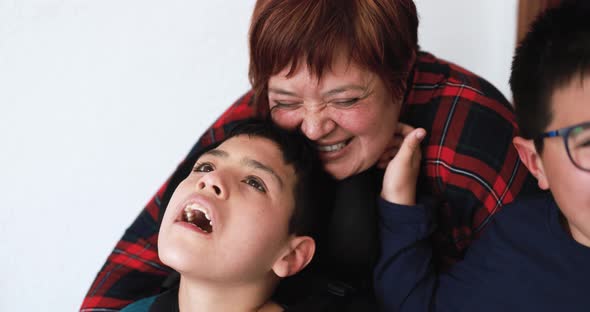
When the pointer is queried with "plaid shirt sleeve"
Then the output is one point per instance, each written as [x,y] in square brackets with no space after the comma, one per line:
[469,162]
[133,269]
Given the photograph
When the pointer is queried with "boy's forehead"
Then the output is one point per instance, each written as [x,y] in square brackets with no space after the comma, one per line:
[570,103]
[262,151]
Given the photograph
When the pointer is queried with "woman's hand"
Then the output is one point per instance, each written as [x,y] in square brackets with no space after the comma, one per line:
[401,174]
[401,131]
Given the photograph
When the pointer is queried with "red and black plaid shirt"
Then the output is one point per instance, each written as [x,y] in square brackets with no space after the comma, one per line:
[469,163]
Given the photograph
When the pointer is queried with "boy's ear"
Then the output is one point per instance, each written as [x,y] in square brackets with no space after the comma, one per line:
[531,159]
[296,256]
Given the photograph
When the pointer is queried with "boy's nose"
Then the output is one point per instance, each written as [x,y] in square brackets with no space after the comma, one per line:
[212,185]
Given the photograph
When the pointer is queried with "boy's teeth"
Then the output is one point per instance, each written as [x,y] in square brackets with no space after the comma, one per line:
[198,216]
[189,215]
[188,210]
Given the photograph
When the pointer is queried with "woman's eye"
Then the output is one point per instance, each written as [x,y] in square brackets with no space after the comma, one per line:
[346,102]
[203,167]
[255,183]
[284,105]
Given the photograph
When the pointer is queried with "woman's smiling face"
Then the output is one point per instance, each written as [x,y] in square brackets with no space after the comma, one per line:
[348,113]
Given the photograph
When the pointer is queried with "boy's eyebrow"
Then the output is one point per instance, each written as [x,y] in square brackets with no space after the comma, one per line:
[248,162]
[217,152]
[258,165]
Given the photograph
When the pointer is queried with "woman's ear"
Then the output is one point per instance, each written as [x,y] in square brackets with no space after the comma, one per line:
[531,159]
[296,256]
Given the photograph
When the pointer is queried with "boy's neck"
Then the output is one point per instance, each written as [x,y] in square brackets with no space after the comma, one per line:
[573,232]
[194,295]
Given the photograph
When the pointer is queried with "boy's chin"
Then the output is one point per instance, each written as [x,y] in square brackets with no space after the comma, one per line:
[178,258]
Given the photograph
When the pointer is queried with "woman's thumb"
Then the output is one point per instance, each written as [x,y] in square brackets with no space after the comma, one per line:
[411,143]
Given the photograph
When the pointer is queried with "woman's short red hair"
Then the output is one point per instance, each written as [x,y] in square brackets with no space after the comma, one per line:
[379,35]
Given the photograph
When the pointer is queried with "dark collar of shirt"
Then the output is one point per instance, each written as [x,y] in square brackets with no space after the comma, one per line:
[166,302]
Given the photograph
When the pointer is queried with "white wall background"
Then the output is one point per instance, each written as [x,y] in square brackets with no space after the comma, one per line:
[100,100]
[478,35]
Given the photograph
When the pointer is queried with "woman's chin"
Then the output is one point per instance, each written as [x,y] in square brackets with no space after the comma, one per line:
[342,170]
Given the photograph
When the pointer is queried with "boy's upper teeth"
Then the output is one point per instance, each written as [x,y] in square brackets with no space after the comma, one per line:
[193,206]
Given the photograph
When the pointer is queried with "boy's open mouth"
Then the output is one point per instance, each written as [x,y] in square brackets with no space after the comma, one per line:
[196,215]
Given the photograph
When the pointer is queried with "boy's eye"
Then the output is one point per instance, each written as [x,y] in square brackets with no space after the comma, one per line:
[203,167]
[255,183]
[580,137]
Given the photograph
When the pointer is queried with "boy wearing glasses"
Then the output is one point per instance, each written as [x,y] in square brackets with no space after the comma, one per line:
[535,255]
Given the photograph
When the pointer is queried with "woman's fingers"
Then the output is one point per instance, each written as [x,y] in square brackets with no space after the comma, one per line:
[386,157]
[392,147]
[410,148]
[403,129]
[401,174]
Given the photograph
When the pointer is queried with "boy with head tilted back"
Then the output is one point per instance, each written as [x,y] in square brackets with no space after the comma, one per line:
[243,219]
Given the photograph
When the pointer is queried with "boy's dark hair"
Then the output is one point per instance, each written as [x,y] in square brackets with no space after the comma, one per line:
[555,51]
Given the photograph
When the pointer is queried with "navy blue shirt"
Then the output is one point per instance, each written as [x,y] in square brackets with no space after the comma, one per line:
[524,261]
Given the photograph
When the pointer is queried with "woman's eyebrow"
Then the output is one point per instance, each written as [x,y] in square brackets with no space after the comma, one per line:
[344,89]
[281,91]
[327,93]
[255,164]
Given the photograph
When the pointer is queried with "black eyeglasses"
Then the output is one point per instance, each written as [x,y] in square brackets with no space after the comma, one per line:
[576,139]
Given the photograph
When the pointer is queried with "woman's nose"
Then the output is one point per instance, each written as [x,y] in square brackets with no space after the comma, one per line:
[317,124]
[213,184]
